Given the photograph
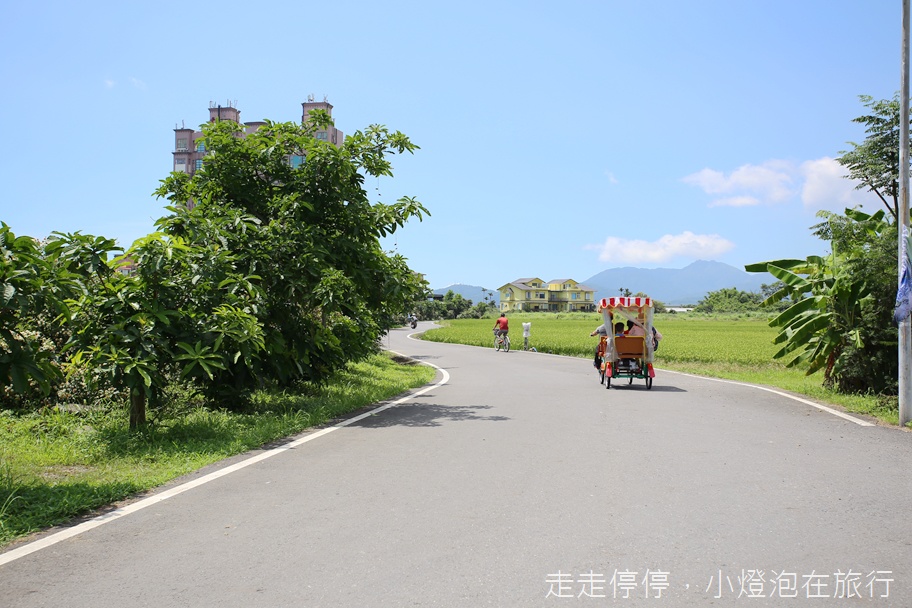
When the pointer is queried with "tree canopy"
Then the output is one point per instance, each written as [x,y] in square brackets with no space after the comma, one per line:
[264,271]
[875,161]
[308,237]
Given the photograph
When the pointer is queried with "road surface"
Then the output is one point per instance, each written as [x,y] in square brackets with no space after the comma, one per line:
[516,480]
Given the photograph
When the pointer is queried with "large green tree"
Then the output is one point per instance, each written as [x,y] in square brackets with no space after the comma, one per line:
[329,290]
[186,312]
[875,161]
[729,299]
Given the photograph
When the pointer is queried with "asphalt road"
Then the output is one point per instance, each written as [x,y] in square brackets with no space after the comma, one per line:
[520,481]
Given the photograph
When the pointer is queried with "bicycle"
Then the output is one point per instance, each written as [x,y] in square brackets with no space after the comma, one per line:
[501,341]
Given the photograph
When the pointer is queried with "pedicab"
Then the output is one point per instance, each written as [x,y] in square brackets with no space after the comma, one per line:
[627,356]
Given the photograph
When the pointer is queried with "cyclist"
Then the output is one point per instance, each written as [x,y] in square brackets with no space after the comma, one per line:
[501,325]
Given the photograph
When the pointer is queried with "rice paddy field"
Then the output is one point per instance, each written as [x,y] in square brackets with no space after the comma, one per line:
[733,347]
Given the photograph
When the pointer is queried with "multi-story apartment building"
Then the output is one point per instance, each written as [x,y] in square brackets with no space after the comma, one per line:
[189,150]
[557,295]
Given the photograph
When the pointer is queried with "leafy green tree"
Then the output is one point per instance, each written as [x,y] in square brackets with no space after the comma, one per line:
[28,290]
[186,312]
[430,309]
[875,161]
[729,299]
[313,239]
[478,311]
[455,304]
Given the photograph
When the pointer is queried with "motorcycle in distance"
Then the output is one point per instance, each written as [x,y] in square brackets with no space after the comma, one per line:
[412,320]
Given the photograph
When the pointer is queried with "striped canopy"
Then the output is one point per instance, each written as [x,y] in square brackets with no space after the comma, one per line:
[622,302]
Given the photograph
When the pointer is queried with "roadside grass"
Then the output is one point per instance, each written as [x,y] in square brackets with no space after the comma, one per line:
[55,465]
[733,347]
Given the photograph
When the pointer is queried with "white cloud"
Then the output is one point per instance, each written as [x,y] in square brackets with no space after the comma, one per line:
[611,177]
[109,84]
[826,188]
[771,182]
[687,244]
[138,84]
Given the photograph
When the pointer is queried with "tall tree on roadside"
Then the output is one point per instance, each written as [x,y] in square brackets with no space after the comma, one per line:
[185,313]
[875,161]
[329,289]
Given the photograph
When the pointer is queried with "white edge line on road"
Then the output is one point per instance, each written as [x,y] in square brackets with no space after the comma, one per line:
[857,421]
[53,539]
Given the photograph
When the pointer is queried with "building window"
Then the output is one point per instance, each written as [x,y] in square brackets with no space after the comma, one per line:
[296,161]
[321,135]
[182,144]
[199,164]
[200,146]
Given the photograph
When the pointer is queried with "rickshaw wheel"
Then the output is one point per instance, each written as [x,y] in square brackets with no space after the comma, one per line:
[648,382]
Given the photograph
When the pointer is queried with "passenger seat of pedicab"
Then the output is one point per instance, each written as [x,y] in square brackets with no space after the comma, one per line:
[630,351]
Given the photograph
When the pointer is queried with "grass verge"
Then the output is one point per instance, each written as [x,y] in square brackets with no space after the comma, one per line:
[55,465]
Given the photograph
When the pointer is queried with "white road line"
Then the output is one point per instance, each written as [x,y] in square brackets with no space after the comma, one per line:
[57,537]
[857,421]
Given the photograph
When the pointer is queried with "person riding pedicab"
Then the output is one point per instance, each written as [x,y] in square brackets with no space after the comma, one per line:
[600,331]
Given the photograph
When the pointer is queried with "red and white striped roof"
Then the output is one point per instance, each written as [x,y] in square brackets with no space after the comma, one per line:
[622,302]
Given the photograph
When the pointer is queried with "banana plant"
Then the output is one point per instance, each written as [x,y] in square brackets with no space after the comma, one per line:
[827,299]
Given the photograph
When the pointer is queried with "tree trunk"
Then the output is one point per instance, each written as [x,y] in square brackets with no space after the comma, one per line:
[137,408]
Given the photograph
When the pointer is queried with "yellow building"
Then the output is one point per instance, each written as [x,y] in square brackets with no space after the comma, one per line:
[558,295]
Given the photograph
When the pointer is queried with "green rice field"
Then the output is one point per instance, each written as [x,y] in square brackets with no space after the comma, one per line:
[737,341]
[731,347]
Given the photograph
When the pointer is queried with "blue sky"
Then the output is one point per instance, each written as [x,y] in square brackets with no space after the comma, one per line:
[557,139]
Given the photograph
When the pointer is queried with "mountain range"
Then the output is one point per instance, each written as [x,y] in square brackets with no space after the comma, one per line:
[676,286]
[673,286]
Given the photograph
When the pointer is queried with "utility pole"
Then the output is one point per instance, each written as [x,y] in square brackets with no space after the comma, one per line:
[905,325]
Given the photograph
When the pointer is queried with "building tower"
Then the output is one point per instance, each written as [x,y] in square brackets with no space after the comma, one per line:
[332,135]
[189,150]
